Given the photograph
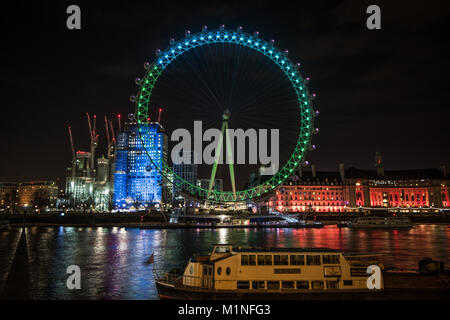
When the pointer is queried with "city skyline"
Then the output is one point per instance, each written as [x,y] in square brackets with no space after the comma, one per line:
[101,79]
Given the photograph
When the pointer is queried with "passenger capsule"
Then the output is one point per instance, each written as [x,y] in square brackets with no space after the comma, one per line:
[222,27]
[239,29]
[146,65]
[138,81]
[133,98]
[204,28]
[187,33]
[316,113]
[171,41]
[131,116]
[256,34]
[157,52]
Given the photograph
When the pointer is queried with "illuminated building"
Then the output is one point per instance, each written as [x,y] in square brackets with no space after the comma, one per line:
[138,182]
[102,189]
[80,181]
[8,195]
[37,194]
[355,190]
[311,191]
[185,169]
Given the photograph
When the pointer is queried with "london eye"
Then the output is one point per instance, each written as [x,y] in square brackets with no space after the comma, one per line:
[229,79]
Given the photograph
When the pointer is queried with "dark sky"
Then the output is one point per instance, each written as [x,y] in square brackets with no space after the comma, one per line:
[384,90]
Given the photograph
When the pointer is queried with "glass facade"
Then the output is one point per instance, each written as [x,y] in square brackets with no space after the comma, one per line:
[138,182]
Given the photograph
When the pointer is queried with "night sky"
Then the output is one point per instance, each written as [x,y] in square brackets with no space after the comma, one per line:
[383,90]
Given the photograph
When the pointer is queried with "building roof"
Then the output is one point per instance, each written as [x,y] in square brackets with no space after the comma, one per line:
[416,174]
[321,177]
[271,249]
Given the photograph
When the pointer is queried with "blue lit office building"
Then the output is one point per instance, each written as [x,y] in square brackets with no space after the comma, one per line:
[138,184]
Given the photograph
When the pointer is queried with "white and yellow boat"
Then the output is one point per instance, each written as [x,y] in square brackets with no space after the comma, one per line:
[270,273]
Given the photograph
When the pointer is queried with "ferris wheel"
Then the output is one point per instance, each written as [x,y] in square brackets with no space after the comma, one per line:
[257,46]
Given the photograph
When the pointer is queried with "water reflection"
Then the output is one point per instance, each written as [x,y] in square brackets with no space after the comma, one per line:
[112,259]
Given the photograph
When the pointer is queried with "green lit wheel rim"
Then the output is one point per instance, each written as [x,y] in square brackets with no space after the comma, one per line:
[205,37]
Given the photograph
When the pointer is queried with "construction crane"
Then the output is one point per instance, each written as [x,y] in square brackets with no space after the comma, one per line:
[94,140]
[74,159]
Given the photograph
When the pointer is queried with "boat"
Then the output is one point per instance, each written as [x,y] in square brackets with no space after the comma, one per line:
[270,273]
[381,223]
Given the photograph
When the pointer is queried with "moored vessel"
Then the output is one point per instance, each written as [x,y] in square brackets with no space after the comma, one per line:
[381,222]
[271,273]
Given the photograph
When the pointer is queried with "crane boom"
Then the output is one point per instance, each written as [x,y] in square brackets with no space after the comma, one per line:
[112,132]
[90,127]
[71,143]
[107,131]
[95,120]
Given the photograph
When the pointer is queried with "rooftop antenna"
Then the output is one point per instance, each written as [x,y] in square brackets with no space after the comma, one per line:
[118,120]
[159,115]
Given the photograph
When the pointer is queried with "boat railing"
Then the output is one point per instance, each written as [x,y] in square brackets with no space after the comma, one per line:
[177,279]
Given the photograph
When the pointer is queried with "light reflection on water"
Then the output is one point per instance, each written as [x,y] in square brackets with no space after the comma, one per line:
[112,259]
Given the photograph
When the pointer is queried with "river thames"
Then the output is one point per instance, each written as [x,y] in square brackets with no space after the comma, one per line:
[112,259]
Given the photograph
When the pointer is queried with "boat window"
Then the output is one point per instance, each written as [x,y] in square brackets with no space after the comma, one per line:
[243,285]
[330,259]
[261,260]
[244,260]
[297,260]
[313,260]
[332,285]
[222,250]
[280,260]
[317,284]
[252,260]
[228,271]
[268,259]
[348,282]
[219,271]
[258,285]
[302,284]
[273,284]
[287,284]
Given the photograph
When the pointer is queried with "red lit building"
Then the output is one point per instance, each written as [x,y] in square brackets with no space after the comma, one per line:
[355,190]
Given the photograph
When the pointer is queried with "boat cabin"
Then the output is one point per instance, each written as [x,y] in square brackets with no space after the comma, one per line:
[229,268]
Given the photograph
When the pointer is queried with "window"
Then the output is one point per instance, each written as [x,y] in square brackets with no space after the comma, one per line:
[258,285]
[330,259]
[297,260]
[243,285]
[313,260]
[222,249]
[264,260]
[252,260]
[317,284]
[260,260]
[287,284]
[219,271]
[348,282]
[332,285]
[302,284]
[273,285]
[280,260]
[244,260]
[228,271]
